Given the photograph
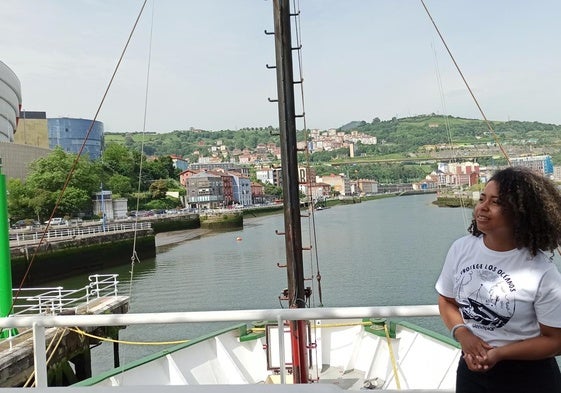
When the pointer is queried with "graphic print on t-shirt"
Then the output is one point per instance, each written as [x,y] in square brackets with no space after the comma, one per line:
[487,295]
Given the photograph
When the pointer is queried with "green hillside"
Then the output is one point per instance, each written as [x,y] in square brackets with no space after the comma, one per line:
[397,138]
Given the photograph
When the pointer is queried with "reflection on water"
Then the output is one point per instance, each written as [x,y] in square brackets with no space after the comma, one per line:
[383,252]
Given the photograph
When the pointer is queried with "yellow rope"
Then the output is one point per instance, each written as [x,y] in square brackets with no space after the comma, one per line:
[394,364]
[32,375]
[79,331]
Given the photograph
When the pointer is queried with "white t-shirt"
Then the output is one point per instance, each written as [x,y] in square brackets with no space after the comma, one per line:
[502,295]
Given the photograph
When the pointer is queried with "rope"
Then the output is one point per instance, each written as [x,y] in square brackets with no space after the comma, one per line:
[311,222]
[392,357]
[75,163]
[134,256]
[32,375]
[487,122]
[448,132]
[107,339]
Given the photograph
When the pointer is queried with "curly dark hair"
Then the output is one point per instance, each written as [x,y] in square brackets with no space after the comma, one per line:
[534,203]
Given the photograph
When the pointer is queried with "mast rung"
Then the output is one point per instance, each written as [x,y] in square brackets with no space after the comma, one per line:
[279,233]
[306,248]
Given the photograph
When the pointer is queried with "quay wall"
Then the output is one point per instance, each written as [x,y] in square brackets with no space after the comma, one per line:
[222,221]
[67,258]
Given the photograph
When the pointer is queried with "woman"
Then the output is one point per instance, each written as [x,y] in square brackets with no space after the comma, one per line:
[500,294]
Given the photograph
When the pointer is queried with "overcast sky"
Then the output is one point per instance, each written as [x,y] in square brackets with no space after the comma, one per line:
[361,59]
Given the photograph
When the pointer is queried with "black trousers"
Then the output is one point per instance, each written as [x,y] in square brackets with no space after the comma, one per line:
[511,376]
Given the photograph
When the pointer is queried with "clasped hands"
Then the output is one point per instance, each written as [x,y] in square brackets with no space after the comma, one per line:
[478,355]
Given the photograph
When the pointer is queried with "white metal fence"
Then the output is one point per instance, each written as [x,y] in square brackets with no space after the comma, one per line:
[64,233]
[57,300]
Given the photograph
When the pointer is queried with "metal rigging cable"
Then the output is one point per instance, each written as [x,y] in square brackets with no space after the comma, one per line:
[79,154]
[487,122]
[312,225]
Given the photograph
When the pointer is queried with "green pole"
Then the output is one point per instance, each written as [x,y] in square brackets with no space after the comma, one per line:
[5,263]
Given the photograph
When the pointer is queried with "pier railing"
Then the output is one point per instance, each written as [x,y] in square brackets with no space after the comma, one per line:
[57,300]
[40,323]
[64,233]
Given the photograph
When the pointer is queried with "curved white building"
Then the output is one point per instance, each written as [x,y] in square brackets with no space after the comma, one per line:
[10,102]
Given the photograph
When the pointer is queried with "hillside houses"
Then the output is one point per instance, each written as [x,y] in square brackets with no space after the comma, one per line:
[333,139]
[265,153]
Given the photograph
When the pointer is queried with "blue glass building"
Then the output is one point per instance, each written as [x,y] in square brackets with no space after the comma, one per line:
[70,133]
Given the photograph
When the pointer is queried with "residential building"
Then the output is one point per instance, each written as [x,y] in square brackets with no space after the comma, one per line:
[227,187]
[540,164]
[367,186]
[226,166]
[205,191]
[456,174]
[183,176]
[317,191]
[269,175]
[179,162]
[257,193]
[425,185]
[339,183]
[241,189]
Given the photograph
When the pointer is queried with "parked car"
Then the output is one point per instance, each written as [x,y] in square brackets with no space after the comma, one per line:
[75,222]
[26,223]
[56,221]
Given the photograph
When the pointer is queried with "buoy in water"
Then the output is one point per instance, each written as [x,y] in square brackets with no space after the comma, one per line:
[238,239]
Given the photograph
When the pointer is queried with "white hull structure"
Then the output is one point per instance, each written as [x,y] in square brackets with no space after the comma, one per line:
[351,354]
[344,351]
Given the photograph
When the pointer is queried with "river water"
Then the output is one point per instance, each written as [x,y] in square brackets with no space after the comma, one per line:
[382,252]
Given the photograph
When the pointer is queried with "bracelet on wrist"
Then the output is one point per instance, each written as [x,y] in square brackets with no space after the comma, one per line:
[456,327]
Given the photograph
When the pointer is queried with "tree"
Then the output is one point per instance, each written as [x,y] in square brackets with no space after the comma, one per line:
[18,200]
[119,185]
[117,159]
[47,179]
[74,201]
[159,188]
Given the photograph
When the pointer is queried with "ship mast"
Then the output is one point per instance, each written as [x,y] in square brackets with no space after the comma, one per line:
[292,223]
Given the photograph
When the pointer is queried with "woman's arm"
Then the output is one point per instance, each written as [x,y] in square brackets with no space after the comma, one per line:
[547,345]
[449,312]
[473,347]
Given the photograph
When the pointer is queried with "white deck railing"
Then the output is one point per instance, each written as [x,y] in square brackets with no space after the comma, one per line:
[57,300]
[40,323]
